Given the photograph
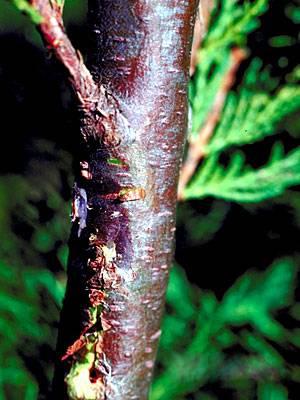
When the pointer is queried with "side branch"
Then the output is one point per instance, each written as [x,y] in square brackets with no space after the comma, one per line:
[53,33]
[196,149]
[200,29]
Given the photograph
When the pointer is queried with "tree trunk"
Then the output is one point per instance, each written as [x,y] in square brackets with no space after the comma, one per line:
[133,124]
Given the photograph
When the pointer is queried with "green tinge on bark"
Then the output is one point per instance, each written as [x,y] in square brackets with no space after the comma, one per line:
[78,380]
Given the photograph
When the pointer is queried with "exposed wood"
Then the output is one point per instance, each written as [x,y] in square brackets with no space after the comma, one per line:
[121,247]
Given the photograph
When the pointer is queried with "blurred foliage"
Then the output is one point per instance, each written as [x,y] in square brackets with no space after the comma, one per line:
[237,342]
[253,111]
[11,20]
[206,340]
[239,183]
[33,220]
[25,7]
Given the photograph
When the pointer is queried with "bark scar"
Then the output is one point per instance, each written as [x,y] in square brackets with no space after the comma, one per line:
[125,194]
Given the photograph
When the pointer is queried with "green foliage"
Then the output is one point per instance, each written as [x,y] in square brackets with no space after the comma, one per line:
[12,20]
[25,7]
[269,391]
[23,326]
[253,110]
[202,226]
[215,69]
[31,295]
[229,28]
[199,331]
[293,12]
[236,341]
[232,21]
[240,183]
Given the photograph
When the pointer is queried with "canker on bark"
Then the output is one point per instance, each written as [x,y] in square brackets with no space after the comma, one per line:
[133,124]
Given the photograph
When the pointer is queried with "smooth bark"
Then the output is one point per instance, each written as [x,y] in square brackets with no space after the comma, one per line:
[133,122]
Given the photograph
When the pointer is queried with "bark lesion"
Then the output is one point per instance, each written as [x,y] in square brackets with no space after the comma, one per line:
[121,239]
[99,109]
[99,116]
[90,369]
[83,380]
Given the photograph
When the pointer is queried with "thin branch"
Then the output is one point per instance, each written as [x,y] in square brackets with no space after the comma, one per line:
[53,33]
[196,149]
[200,29]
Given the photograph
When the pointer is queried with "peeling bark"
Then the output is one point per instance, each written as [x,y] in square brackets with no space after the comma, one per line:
[133,123]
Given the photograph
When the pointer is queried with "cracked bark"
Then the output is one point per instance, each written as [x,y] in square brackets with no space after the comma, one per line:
[133,112]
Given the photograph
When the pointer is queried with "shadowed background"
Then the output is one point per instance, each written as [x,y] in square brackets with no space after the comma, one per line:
[232,324]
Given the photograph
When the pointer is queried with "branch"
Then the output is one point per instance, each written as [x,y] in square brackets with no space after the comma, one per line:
[200,29]
[196,149]
[53,33]
[125,191]
[124,201]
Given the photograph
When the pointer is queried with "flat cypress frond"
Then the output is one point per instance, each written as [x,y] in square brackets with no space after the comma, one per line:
[251,114]
[240,183]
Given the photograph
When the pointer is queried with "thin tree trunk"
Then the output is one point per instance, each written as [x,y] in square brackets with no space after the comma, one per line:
[133,109]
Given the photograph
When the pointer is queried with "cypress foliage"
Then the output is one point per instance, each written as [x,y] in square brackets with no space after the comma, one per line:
[234,341]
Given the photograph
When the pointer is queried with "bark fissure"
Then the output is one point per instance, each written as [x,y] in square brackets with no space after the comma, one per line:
[133,117]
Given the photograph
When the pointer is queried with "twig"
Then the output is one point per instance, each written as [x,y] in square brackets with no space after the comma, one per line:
[53,33]
[196,149]
[201,24]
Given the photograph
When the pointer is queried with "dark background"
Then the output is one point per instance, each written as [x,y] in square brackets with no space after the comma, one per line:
[217,241]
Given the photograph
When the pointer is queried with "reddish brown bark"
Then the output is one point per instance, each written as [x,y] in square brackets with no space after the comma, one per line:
[133,122]
[200,29]
[56,39]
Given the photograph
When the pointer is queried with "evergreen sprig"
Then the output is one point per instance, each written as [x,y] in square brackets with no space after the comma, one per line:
[232,21]
[241,183]
[253,110]
[199,334]
[25,7]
